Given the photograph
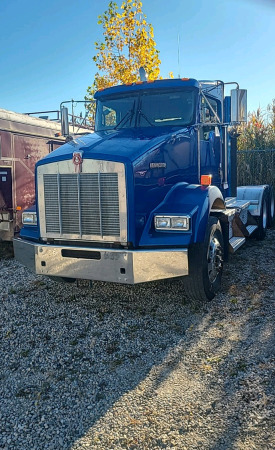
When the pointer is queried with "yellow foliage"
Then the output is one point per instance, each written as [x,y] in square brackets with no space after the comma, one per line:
[128,45]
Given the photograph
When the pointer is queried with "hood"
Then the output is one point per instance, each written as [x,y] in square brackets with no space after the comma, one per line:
[120,145]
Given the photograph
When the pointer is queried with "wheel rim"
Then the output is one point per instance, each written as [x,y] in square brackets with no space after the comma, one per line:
[264,215]
[215,258]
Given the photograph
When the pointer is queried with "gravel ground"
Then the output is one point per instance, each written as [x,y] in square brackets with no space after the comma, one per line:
[120,367]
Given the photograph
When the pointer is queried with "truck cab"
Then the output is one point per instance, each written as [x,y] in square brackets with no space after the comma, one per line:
[151,194]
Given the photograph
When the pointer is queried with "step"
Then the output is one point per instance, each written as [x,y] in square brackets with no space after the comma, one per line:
[225,212]
[232,202]
[251,229]
[235,243]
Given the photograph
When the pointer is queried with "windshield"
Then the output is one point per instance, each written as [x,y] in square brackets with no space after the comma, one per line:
[146,109]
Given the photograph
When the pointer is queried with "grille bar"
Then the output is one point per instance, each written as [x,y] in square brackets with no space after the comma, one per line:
[82,204]
[52,204]
[78,201]
[59,203]
[99,203]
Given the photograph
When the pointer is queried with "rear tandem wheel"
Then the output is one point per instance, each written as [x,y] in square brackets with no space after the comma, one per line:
[271,208]
[262,219]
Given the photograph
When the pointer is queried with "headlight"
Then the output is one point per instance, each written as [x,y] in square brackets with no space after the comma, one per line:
[172,223]
[180,223]
[162,222]
[29,218]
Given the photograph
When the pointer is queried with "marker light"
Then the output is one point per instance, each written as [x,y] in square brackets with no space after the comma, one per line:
[206,180]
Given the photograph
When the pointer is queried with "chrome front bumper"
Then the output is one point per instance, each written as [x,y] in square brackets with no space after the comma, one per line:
[119,266]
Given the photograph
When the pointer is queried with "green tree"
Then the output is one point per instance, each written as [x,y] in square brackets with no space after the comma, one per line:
[128,45]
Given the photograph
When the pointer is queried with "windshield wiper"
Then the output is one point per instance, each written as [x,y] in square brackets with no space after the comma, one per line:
[146,118]
[128,116]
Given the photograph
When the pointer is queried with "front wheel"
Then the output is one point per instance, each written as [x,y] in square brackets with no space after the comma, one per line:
[206,264]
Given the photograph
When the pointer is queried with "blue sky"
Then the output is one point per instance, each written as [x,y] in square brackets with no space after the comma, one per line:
[47,47]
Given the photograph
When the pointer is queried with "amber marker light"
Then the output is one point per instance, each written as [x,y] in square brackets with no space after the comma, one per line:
[18,208]
[206,180]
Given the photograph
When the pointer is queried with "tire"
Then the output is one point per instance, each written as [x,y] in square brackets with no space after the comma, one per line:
[206,265]
[262,220]
[271,208]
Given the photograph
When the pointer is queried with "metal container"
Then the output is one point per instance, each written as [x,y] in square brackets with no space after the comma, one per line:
[23,141]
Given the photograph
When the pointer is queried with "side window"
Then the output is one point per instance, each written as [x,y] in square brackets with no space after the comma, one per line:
[207,113]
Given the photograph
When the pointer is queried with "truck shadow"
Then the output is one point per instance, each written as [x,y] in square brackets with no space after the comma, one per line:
[137,367]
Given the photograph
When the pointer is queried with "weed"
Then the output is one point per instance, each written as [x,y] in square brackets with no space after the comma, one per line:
[99,396]
[116,363]
[177,328]
[23,393]
[214,359]
[241,366]
[39,283]
[112,347]
[12,291]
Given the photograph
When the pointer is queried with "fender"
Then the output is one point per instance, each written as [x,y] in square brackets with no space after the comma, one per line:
[255,195]
[193,200]
[30,231]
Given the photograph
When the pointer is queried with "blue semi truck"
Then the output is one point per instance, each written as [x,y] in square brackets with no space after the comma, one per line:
[151,194]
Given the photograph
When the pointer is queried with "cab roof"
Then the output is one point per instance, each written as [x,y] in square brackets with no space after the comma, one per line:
[146,85]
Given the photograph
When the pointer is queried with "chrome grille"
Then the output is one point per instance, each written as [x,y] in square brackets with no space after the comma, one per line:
[82,204]
[51,203]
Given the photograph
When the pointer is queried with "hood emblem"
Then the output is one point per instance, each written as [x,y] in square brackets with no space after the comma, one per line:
[77,160]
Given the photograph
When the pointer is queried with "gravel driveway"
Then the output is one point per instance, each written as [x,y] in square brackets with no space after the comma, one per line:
[120,367]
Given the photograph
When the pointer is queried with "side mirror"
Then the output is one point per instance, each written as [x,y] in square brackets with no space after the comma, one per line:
[239,105]
[64,121]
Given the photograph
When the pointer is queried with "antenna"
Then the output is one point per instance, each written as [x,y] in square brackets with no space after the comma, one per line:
[178,55]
